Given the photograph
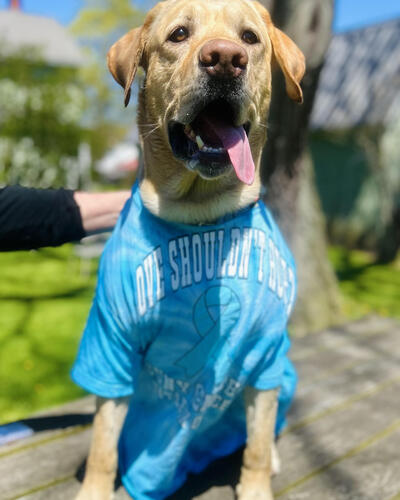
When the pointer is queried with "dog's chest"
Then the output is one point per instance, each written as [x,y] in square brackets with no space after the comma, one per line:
[203,296]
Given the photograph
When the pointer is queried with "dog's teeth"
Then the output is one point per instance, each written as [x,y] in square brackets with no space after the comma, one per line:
[200,142]
[207,149]
[192,164]
[190,132]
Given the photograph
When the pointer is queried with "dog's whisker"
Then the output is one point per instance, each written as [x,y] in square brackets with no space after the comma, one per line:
[149,124]
[148,134]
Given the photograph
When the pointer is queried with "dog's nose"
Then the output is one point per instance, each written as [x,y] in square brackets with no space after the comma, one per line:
[223,58]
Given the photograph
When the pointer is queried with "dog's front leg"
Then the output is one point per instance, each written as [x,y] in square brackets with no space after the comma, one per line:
[102,462]
[255,479]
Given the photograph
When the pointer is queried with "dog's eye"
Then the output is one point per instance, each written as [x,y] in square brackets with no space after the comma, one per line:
[179,35]
[249,37]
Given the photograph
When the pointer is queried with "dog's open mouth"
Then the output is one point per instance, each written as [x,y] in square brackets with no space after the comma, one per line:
[211,143]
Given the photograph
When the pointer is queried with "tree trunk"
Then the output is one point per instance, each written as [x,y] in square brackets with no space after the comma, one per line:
[287,170]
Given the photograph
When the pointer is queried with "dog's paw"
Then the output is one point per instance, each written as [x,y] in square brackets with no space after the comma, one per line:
[254,485]
[89,493]
[255,492]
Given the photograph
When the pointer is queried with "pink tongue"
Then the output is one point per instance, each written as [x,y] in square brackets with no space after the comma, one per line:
[235,141]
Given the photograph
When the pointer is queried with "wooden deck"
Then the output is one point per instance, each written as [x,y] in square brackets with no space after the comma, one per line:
[343,441]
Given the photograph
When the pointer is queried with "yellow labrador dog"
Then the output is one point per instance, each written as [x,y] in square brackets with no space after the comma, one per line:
[202,112]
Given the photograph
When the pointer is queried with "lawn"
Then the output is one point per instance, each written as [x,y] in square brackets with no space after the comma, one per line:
[44,302]
[366,287]
[46,295]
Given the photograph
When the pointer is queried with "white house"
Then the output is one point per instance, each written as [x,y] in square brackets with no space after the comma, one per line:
[19,30]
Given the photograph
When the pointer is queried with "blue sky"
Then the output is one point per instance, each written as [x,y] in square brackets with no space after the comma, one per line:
[349,13]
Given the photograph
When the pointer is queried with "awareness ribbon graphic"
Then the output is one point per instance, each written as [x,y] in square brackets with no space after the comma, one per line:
[215,314]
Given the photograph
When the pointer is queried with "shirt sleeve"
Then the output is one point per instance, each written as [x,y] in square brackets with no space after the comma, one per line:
[110,354]
[34,218]
[270,371]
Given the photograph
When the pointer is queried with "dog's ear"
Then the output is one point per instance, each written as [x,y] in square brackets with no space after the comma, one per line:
[291,61]
[123,59]
[286,53]
[128,53]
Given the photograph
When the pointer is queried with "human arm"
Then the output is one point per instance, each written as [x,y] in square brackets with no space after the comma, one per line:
[33,218]
[100,211]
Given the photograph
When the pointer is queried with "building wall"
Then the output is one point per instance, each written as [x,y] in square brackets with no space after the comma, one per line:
[357,174]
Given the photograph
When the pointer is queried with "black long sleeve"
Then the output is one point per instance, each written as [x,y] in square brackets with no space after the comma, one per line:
[33,218]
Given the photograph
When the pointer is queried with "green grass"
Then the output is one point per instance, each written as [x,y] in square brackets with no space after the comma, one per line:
[366,287]
[45,299]
[44,302]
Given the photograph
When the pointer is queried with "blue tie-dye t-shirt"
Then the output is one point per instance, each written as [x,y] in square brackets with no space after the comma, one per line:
[183,319]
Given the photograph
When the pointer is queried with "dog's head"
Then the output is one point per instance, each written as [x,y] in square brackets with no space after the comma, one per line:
[205,99]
